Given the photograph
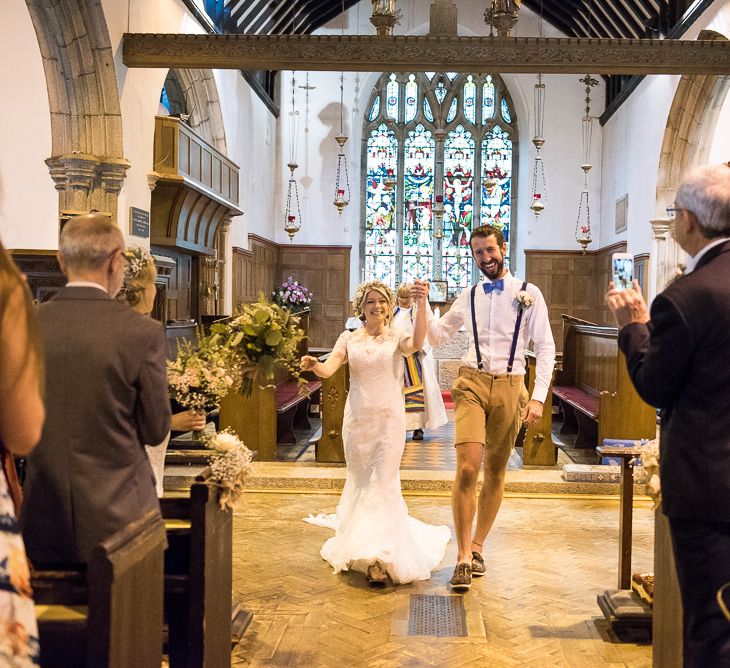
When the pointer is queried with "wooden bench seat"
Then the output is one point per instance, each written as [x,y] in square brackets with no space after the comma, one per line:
[596,395]
[198,578]
[270,414]
[579,399]
[92,617]
[292,408]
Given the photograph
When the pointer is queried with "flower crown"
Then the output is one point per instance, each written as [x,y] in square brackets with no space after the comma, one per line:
[362,290]
[137,258]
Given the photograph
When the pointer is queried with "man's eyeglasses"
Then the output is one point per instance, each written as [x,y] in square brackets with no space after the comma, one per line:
[672,211]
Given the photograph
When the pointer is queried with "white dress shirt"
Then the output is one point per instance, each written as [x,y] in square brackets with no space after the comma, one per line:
[496,315]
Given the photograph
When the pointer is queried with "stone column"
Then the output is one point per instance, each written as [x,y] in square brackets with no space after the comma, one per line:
[85,182]
[665,256]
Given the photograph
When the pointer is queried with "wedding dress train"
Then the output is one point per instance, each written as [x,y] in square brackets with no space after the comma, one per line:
[372,521]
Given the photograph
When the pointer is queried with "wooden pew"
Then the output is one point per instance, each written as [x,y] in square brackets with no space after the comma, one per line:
[595,391]
[111,614]
[198,577]
[538,448]
[329,447]
[269,415]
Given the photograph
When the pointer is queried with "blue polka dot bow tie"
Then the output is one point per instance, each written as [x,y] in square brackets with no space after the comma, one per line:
[497,285]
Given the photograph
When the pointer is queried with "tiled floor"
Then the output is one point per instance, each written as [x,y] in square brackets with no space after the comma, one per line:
[435,452]
[547,559]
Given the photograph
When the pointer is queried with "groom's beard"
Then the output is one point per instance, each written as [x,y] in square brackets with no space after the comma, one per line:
[495,268]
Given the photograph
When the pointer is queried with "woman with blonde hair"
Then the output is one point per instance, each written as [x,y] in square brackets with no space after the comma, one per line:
[374,532]
[21,422]
[138,291]
[421,392]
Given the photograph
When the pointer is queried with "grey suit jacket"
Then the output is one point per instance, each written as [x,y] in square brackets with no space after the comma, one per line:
[106,396]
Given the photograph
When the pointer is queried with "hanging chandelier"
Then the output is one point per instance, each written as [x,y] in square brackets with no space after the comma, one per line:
[583,222]
[502,15]
[293,213]
[539,182]
[342,179]
[384,17]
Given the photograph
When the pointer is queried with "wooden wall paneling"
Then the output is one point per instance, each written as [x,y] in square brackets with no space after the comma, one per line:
[180,295]
[573,283]
[255,270]
[325,270]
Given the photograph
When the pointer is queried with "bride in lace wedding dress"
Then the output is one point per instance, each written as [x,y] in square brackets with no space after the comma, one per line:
[374,533]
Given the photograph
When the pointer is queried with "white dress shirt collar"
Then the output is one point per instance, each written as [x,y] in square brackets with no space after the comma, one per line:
[86,284]
[694,259]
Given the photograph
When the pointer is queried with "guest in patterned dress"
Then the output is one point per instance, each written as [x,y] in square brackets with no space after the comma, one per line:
[21,421]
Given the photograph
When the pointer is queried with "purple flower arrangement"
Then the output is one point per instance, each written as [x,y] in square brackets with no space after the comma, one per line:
[293,296]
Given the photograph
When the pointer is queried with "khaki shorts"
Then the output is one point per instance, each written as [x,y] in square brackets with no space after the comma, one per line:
[488,409]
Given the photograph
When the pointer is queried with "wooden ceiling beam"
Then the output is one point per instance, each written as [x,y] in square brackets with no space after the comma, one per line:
[359,53]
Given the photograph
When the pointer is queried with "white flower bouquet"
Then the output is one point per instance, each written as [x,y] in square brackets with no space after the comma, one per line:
[200,377]
[229,463]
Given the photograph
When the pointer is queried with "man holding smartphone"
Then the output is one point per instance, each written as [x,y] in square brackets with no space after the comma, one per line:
[678,358]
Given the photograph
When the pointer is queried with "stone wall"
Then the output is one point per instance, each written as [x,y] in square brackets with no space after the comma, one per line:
[448,358]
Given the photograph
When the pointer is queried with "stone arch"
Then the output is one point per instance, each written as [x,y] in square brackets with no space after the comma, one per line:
[204,105]
[87,163]
[687,141]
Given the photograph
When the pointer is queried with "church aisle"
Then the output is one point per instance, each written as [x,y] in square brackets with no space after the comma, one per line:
[548,558]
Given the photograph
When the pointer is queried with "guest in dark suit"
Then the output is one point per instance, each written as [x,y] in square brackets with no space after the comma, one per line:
[106,395]
[679,361]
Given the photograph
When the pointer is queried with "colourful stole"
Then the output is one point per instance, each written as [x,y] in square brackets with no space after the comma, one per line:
[413,381]
[413,384]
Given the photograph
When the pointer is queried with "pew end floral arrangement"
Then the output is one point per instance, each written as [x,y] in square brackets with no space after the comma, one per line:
[292,296]
[263,335]
[230,463]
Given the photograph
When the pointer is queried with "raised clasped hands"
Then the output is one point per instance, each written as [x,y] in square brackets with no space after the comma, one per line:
[627,305]
[419,291]
[308,363]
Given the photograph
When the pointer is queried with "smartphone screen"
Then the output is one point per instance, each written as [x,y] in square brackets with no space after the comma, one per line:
[623,271]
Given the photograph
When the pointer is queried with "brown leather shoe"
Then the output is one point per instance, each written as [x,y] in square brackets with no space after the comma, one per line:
[418,434]
[376,575]
[477,565]
[461,580]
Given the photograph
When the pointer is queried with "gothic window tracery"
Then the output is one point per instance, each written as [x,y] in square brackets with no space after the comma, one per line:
[436,140]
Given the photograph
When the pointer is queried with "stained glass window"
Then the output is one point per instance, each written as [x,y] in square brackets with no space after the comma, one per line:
[405,234]
[497,180]
[487,99]
[380,197]
[165,101]
[417,204]
[452,110]
[458,189]
[505,112]
[411,98]
[427,110]
[375,109]
[391,103]
[470,99]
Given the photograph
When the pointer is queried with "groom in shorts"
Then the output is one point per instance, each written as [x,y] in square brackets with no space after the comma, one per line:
[501,316]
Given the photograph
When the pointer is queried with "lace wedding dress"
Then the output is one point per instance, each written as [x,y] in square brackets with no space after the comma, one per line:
[372,521]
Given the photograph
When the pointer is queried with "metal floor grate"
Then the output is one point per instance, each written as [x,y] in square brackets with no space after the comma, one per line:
[433,615]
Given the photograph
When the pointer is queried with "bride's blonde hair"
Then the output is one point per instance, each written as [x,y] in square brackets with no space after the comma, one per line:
[362,291]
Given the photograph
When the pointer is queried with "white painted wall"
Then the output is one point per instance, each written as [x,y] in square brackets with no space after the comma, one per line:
[633,139]
[28,199]
[249,126]
[720,151]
